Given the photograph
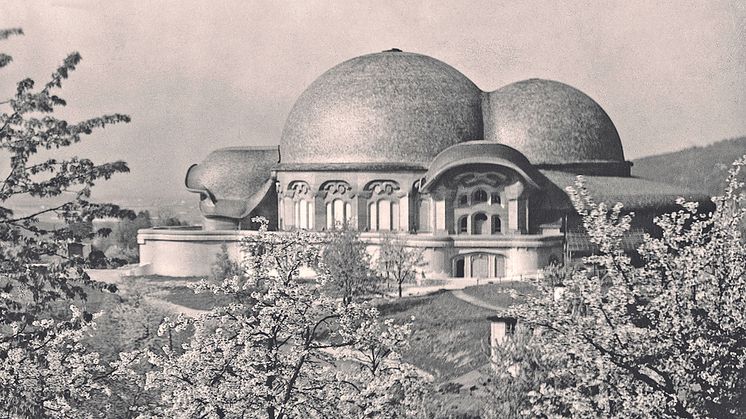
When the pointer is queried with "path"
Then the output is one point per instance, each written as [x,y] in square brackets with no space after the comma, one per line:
[461,295]
[114,276]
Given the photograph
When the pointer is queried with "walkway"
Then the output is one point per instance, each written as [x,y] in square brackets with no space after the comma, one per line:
[118,277]
[461,295]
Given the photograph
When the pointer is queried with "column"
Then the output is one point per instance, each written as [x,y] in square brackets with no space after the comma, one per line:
[319,209]
[513,215]
[360,210]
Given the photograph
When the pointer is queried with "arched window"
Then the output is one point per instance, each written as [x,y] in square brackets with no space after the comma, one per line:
[496,225]
[338,212]
[495,199]
[479,196]
[463,225]
[383,215]
[395,215]
[373,216]
[463,200]
[479,223]
[303,214]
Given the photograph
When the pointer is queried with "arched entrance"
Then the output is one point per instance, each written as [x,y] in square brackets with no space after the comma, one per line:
[479,265]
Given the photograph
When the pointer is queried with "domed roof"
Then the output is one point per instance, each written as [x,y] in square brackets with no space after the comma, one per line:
[551,123]
[389,107]
[233,181]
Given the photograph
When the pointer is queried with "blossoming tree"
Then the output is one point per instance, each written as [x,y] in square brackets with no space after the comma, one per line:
[664,339]
[45,370]
[285,348]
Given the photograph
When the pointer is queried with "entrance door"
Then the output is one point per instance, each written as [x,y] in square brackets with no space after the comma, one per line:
[480,267]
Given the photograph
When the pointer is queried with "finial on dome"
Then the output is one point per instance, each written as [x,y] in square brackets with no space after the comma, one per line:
[393,50]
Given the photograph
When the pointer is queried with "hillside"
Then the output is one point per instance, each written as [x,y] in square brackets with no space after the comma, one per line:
[698,168]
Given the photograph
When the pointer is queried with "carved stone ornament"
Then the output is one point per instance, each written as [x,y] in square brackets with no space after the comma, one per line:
[297,188]
[336,188]
[383,187]
[473,178]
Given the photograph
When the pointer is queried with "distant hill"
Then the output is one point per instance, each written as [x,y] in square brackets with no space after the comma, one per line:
[698,168]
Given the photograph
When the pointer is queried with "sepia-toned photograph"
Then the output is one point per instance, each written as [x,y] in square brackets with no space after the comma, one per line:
[352,209]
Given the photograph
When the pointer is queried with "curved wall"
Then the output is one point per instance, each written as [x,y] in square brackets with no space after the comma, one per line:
[183,252]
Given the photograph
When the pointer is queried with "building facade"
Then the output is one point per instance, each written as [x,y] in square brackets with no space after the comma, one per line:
[401,143]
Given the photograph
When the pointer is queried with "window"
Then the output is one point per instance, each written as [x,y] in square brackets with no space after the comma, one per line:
[373,216]
[338,213]
[463,200]
[463,225]
[303,214]
[479,196]
[383,215]
[479,224]
[496,225]
[395,216]
[495,199]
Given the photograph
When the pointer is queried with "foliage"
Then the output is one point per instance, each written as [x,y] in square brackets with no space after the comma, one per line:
[285,348]
[399,262]
[347,265]
[665,339]
[167,218]
[125,233]
[224,267]
[128,325]
[518,369]
[45,370]
[555,274]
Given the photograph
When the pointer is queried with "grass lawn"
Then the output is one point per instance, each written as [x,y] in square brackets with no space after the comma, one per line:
[497,294]
[186,297]
[451,337]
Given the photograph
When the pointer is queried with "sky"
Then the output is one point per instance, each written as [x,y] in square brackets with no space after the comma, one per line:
[198,75]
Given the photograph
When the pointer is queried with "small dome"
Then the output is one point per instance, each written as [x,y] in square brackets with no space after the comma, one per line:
[551,123]
[389,107]
[232,172]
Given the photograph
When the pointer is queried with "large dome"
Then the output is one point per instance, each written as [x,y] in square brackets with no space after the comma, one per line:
[551,123]
[389,107]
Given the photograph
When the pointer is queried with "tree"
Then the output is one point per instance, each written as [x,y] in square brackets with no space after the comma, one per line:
[518,369]
[399,262]
[286,350]
[126,231]
[167,218]
[224,267]
[45,370]
[347,265]
[665,339]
